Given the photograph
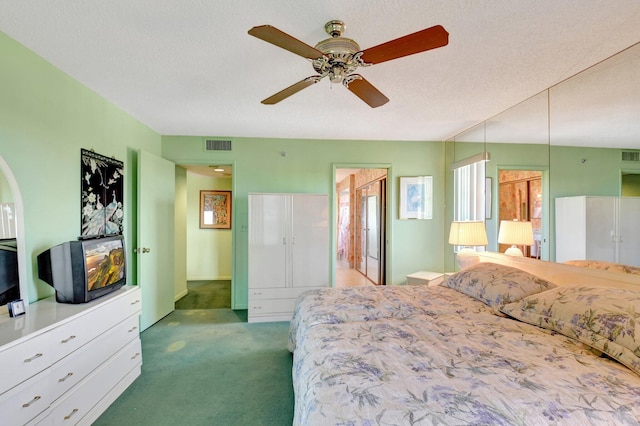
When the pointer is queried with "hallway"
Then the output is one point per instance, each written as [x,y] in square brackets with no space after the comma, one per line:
[346,277]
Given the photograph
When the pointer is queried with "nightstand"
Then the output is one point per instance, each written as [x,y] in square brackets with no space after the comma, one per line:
[425,278]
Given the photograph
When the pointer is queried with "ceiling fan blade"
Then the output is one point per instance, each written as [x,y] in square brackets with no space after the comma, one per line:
[365,91]
[421,41]
[291,90]
[281,39]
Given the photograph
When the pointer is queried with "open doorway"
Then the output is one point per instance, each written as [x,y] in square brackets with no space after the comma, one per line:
[208,254]
[521,198]
[630,184]
[361,227]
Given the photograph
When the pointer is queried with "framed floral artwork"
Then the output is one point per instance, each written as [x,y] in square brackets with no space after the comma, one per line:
[416,197]
[215,209]
[102,181]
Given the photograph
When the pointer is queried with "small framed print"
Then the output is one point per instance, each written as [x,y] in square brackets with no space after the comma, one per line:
[215,209]
[416,197]
[16,308]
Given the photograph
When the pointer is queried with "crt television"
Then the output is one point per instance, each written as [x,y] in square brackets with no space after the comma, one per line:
[83,270]
[9,281]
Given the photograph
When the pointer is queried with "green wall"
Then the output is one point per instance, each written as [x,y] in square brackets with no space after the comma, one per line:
[180,235]
[307,166]
[46,117]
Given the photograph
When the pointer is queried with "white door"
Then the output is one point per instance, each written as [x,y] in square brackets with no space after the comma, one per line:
[155,252]
[629,246]
[268,240]
[601,228]
[309,240]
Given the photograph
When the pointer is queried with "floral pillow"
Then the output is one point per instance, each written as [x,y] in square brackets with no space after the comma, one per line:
[607,319]
[496,284]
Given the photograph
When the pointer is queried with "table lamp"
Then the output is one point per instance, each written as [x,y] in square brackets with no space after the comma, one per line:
[467,235]
[515,233]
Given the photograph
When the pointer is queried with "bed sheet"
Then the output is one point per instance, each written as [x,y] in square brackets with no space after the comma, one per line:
[339,305]
[445,359]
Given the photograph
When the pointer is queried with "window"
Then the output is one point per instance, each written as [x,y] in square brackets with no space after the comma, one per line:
[469,189]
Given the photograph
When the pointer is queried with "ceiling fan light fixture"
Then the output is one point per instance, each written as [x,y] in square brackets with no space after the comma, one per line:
[338,57]
[337,74]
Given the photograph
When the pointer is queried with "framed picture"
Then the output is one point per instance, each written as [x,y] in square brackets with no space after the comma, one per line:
[215,209]
[416,197]
[102,194]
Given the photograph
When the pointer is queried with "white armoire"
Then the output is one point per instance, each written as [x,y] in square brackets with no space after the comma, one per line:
[288,251]
[598,228]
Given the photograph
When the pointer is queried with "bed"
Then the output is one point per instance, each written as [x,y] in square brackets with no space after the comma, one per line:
[492,345]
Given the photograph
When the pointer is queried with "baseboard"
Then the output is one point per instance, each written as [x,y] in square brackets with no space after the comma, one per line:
[181,295]
[223,278]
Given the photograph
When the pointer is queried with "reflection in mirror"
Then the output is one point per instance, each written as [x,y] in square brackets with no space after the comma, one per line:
[582,135]
[11,287]
[595,138]
[466,157]
[518,140]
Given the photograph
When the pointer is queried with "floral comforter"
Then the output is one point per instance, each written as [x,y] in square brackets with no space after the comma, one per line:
[415,355]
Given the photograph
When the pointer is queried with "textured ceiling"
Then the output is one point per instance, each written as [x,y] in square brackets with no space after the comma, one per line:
[189,67]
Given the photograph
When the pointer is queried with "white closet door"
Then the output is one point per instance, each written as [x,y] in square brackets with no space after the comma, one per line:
[601,228]
[629,245]
[268,239]
[571,229]
[309,240]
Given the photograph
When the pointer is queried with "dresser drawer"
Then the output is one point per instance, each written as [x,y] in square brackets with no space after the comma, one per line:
[277,293]
[70,370]
[24,402]
[24,360]
[71,336]
[74,405]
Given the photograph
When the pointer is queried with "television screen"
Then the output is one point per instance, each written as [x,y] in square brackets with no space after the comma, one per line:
[104,260]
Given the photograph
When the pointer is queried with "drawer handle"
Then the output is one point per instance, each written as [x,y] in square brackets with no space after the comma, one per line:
[257,307]
[137,354]
[65,377]
[257,293]
[68,416]
[68,339]
[36,356]
[134,328]
[33,401]
[135,301]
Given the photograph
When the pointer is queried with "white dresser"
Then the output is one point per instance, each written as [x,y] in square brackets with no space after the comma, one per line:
[288,251]
[63,364]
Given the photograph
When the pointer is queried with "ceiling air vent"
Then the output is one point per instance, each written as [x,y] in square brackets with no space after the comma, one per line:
[630,155]
[217,145]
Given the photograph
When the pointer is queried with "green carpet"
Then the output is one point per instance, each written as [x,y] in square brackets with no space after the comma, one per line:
[210,294]
[209,367]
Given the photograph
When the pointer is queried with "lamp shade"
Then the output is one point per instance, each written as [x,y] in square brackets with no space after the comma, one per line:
[516,233]
[468,234]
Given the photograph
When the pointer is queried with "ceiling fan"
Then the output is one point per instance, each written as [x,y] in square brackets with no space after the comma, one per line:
[338,57]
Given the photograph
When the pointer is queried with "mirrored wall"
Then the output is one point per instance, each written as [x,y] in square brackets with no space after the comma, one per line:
[580,137]
[12,265]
